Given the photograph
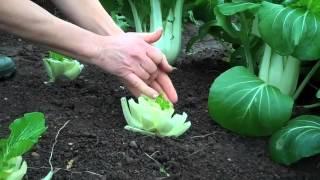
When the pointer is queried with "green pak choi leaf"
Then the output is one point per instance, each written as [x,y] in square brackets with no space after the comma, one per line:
[292,30]
[299,139]
[153,117]
[25,132]
[243,103]
[229,9]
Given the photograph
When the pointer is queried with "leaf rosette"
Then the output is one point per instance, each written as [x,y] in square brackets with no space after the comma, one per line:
[58,65]
[154,117]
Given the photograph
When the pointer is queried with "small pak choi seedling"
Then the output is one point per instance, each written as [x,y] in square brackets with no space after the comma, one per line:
[25,132]
[154,117]
[58,65]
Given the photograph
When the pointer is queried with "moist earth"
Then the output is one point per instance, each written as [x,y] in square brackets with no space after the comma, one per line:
[94,144]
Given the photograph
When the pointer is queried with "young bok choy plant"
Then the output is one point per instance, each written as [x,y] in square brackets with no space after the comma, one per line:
[273,39]
[58,65]
[151,15]
[153,117]
[25,132]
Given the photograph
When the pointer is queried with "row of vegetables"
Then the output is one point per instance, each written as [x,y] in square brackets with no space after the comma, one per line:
[275,48]
[274,54]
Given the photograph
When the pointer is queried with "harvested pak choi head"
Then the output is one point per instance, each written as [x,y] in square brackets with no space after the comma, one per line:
[58,65]
[153,117]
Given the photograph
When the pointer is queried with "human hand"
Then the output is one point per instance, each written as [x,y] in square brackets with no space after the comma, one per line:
[142,67]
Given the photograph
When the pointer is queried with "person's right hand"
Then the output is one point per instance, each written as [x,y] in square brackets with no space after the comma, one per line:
[142,67]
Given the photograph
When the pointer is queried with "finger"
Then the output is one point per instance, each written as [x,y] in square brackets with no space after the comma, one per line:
[151,68]
[167,86]
[141,72]
[155,55]
[151,37]
[154,76]
[159,58]
[155,85]
[134,82]
[148,65]
[165,66]
[134,91]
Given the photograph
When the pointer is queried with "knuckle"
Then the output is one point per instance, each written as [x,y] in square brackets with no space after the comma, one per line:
[145,76]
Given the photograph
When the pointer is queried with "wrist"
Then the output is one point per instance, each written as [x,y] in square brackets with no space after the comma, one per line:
[94,51]
[76,42]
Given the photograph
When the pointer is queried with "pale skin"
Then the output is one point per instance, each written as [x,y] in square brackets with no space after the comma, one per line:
[95,39]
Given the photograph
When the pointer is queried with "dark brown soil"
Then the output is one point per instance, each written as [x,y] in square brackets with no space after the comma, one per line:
[100,148]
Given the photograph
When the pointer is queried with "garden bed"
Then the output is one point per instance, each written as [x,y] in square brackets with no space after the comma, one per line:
[96,146]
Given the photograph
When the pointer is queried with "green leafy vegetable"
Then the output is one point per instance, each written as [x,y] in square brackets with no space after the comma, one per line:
[318,94]
[153,117]
[164,104]
[271,38]
[25,132]
[58,65]
[241,102]
[14,169]
[299,139]
[280,71]
[229,9]
[297,28]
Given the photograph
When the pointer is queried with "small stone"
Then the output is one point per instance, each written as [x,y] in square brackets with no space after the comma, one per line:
[133,144]
[35,155]
[29,47]
[151,149]
[229,159]
[129,160]
[67,154]
[217,146]
[70,143]
[6,99]
[119,164]
[104,142]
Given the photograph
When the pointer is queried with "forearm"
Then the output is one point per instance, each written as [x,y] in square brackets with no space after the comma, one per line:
[40,26]
[90,15]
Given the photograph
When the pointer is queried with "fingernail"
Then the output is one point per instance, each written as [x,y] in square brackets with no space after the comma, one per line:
[155,96]
[174,68]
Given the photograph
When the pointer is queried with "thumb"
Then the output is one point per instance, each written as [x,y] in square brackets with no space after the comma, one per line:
[151,37]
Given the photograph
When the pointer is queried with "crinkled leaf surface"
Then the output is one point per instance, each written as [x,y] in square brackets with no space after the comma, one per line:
[299,139]
[243,103]
[297,29]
